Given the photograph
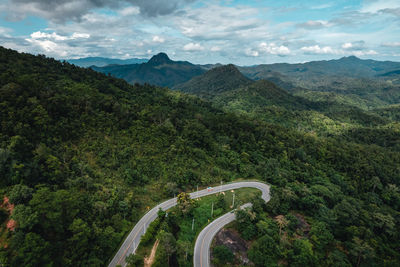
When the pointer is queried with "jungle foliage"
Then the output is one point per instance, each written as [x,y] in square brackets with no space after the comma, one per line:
[83,154]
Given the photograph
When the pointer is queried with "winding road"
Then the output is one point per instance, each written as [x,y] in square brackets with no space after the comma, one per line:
[201,256]
[132,241]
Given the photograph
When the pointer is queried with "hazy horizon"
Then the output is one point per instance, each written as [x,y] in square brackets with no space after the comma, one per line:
[148,58]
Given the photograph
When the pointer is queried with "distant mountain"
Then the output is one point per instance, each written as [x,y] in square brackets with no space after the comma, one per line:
[102,61]
[159,70]
[377,83]
[210,66]
[215,81]
[347,66]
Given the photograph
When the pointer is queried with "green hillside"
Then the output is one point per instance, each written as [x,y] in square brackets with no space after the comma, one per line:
[83,154]
[215,81]
[323,113]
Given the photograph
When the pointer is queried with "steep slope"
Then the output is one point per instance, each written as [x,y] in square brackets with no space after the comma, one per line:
[102,61]
[159,70]
[214,82]
[228,89]
[260,94]
[83,154]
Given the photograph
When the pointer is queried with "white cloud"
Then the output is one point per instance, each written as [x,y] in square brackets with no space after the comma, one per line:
[77,35]
[59,46]
[158,39]
[347,49]
[347,45]
[379,5]
[364,53]
[43,35]
[129,11]
[193,47]
[214,22]
[391,44]
[5,31]
[314,24]
[251,52]
[47,45]
[50,47]
[214,27]
[357,45]
[268,48]
[271,48]
[54,36]
[316,49]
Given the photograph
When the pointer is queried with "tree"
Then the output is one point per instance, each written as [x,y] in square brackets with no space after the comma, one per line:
[25,217]
[222,255]
[81,237]
[168,244]
[265,251]
[320,236]
[245,219]
[185,203]
[338,259]
[220,202]
[282,223]
[124,207]
[134,260]
[171,189]
[347,211]
[184,251]
[361,250]
[302,254]
[161,214]
[268,227]
[34,251]
[20,194]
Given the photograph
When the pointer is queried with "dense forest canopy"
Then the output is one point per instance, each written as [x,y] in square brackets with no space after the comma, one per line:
[82,155]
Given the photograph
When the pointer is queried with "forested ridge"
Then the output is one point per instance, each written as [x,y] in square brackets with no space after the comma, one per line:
[83,154]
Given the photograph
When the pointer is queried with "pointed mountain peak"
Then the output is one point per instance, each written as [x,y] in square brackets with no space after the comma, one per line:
[230,68]
[160,58]
[215,81]
[226,73]
[351,58]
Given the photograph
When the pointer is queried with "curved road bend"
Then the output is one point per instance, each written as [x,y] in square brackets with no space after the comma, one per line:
[132,241]
[201,256]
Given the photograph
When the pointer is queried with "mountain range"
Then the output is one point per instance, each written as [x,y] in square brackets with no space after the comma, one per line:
[103,61]
[364,83]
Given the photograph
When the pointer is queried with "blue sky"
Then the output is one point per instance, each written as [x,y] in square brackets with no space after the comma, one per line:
[225,31]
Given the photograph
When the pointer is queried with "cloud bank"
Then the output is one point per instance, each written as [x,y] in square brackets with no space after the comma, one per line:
[208,31]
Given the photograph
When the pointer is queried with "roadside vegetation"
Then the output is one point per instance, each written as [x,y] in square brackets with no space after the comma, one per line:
[176,226]
[82,156]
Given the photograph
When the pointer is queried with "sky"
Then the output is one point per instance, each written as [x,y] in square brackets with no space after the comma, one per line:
[209,31]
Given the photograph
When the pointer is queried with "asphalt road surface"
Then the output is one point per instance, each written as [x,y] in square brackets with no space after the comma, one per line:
[132,241]
[201,256]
